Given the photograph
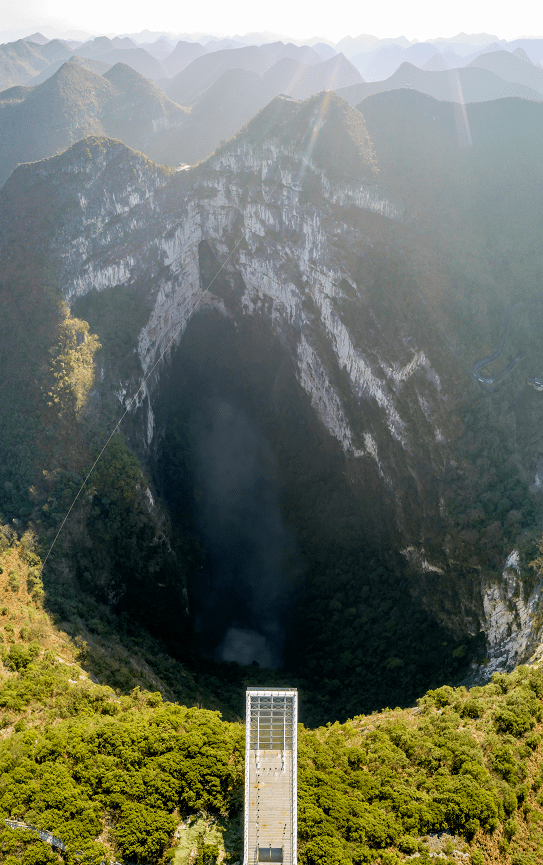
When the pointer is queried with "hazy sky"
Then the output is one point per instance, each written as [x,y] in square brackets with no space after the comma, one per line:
[421,19]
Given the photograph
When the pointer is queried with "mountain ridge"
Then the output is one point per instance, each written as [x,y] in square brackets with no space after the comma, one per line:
[75,102]
[469,84]
[511,67]
[354,200]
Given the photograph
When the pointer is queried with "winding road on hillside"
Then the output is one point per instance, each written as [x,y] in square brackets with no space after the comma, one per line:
[485,360]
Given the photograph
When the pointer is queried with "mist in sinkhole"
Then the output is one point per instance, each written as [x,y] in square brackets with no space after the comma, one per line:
[240,602]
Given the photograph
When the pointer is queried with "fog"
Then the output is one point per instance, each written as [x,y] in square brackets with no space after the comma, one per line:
[240,602]
[248,647]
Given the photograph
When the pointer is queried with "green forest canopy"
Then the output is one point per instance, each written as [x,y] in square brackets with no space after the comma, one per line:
[117,775]
[85,763]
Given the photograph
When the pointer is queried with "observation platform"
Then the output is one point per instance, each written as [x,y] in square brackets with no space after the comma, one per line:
[270,824]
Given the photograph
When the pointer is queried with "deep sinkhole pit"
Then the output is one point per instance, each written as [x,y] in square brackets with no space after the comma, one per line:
[214,404]
[294,566]
[278,554]
[238,516]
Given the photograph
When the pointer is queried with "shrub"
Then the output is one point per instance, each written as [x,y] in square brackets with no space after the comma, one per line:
[472,708]
[522,792]
[207,854]
[324,851]
[501,681]
[532,740]
[443,696]
[408,844]
[19,657]
[519,714]
[521,859]
[510,828]
[388,857]
[87,853]
[143,832]
[39,854]
[503,762]
[32,579]
[13,581]
[510,802]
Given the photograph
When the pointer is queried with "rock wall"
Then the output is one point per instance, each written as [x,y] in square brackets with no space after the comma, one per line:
[346,279]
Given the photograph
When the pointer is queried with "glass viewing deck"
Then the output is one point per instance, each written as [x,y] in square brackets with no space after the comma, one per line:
[270,776]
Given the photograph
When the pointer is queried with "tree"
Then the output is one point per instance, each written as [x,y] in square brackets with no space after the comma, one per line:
[143,833]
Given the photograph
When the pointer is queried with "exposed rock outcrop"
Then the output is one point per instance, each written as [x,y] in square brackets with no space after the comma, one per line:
[312,236]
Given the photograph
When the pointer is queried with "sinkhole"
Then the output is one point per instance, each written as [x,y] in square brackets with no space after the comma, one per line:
[220,466]
[295,565]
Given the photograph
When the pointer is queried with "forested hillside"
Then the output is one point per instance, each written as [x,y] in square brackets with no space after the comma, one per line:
[135,777]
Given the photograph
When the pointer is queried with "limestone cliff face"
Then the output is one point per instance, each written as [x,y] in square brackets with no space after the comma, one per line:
[511,618]
[297,254]
[309,238]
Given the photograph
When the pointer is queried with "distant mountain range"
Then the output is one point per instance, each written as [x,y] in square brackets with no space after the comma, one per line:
[515,67]
[472,84]
[381,62]
[20,61]
[178,102]
[165,57]
[283,71]
[40,121]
